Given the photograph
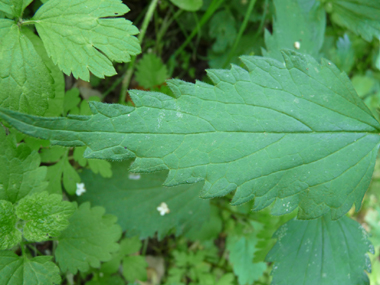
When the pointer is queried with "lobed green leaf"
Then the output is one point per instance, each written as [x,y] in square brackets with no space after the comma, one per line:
[44,215]
[90,238]
[242,248]
[10,236]
[82,37]
[20,171]
[26,83]
[15,270]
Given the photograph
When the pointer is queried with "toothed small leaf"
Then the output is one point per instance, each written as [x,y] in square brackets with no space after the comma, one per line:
[44,215]
[90,238]
[20,171]
[15,270]
[10,236]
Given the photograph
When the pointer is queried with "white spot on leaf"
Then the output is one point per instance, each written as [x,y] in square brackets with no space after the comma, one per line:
[163,209]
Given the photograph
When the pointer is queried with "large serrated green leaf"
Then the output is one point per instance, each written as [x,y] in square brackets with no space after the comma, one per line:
[134,200]
[26,84]
[16,270]
[321,252]
[90,238]
[294,134]
[10,236]
[81,37]
[298,24]
[44,215]
[362,17]
[20,171]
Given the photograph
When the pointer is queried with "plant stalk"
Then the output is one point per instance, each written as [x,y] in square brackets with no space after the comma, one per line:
[128,74]
[240,33]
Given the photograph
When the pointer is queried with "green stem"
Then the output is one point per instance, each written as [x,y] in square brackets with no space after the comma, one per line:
[128,75]
[145,246]
[210,11]
[240,33]
[22,245]
[30,22]
[262,21]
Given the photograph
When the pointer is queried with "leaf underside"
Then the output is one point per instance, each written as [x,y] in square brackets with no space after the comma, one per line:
[295,134]
[321,252]
[134,200]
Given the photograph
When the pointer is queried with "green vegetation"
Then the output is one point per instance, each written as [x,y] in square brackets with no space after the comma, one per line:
[120,120]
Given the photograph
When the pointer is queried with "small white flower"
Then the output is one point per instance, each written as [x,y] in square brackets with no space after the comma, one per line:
[80,189]
[297,45]
[163,209]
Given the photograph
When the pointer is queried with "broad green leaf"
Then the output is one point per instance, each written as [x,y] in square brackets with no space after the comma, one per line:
[209,230]
[20,171]
[52,154]
[70,177]
[14,7]
[82,37]
[61,171]
[321,252]
[6,6]
[26,84]
[10,236]
[16,270]
[134,268]
[127,246]
[44,215]
[102,167]
[150,71]
[298,25]
[188,5]
[72,99]
[134,199]
[294,134]
[90,238]
[55,105]
[242,248]
[362,17]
